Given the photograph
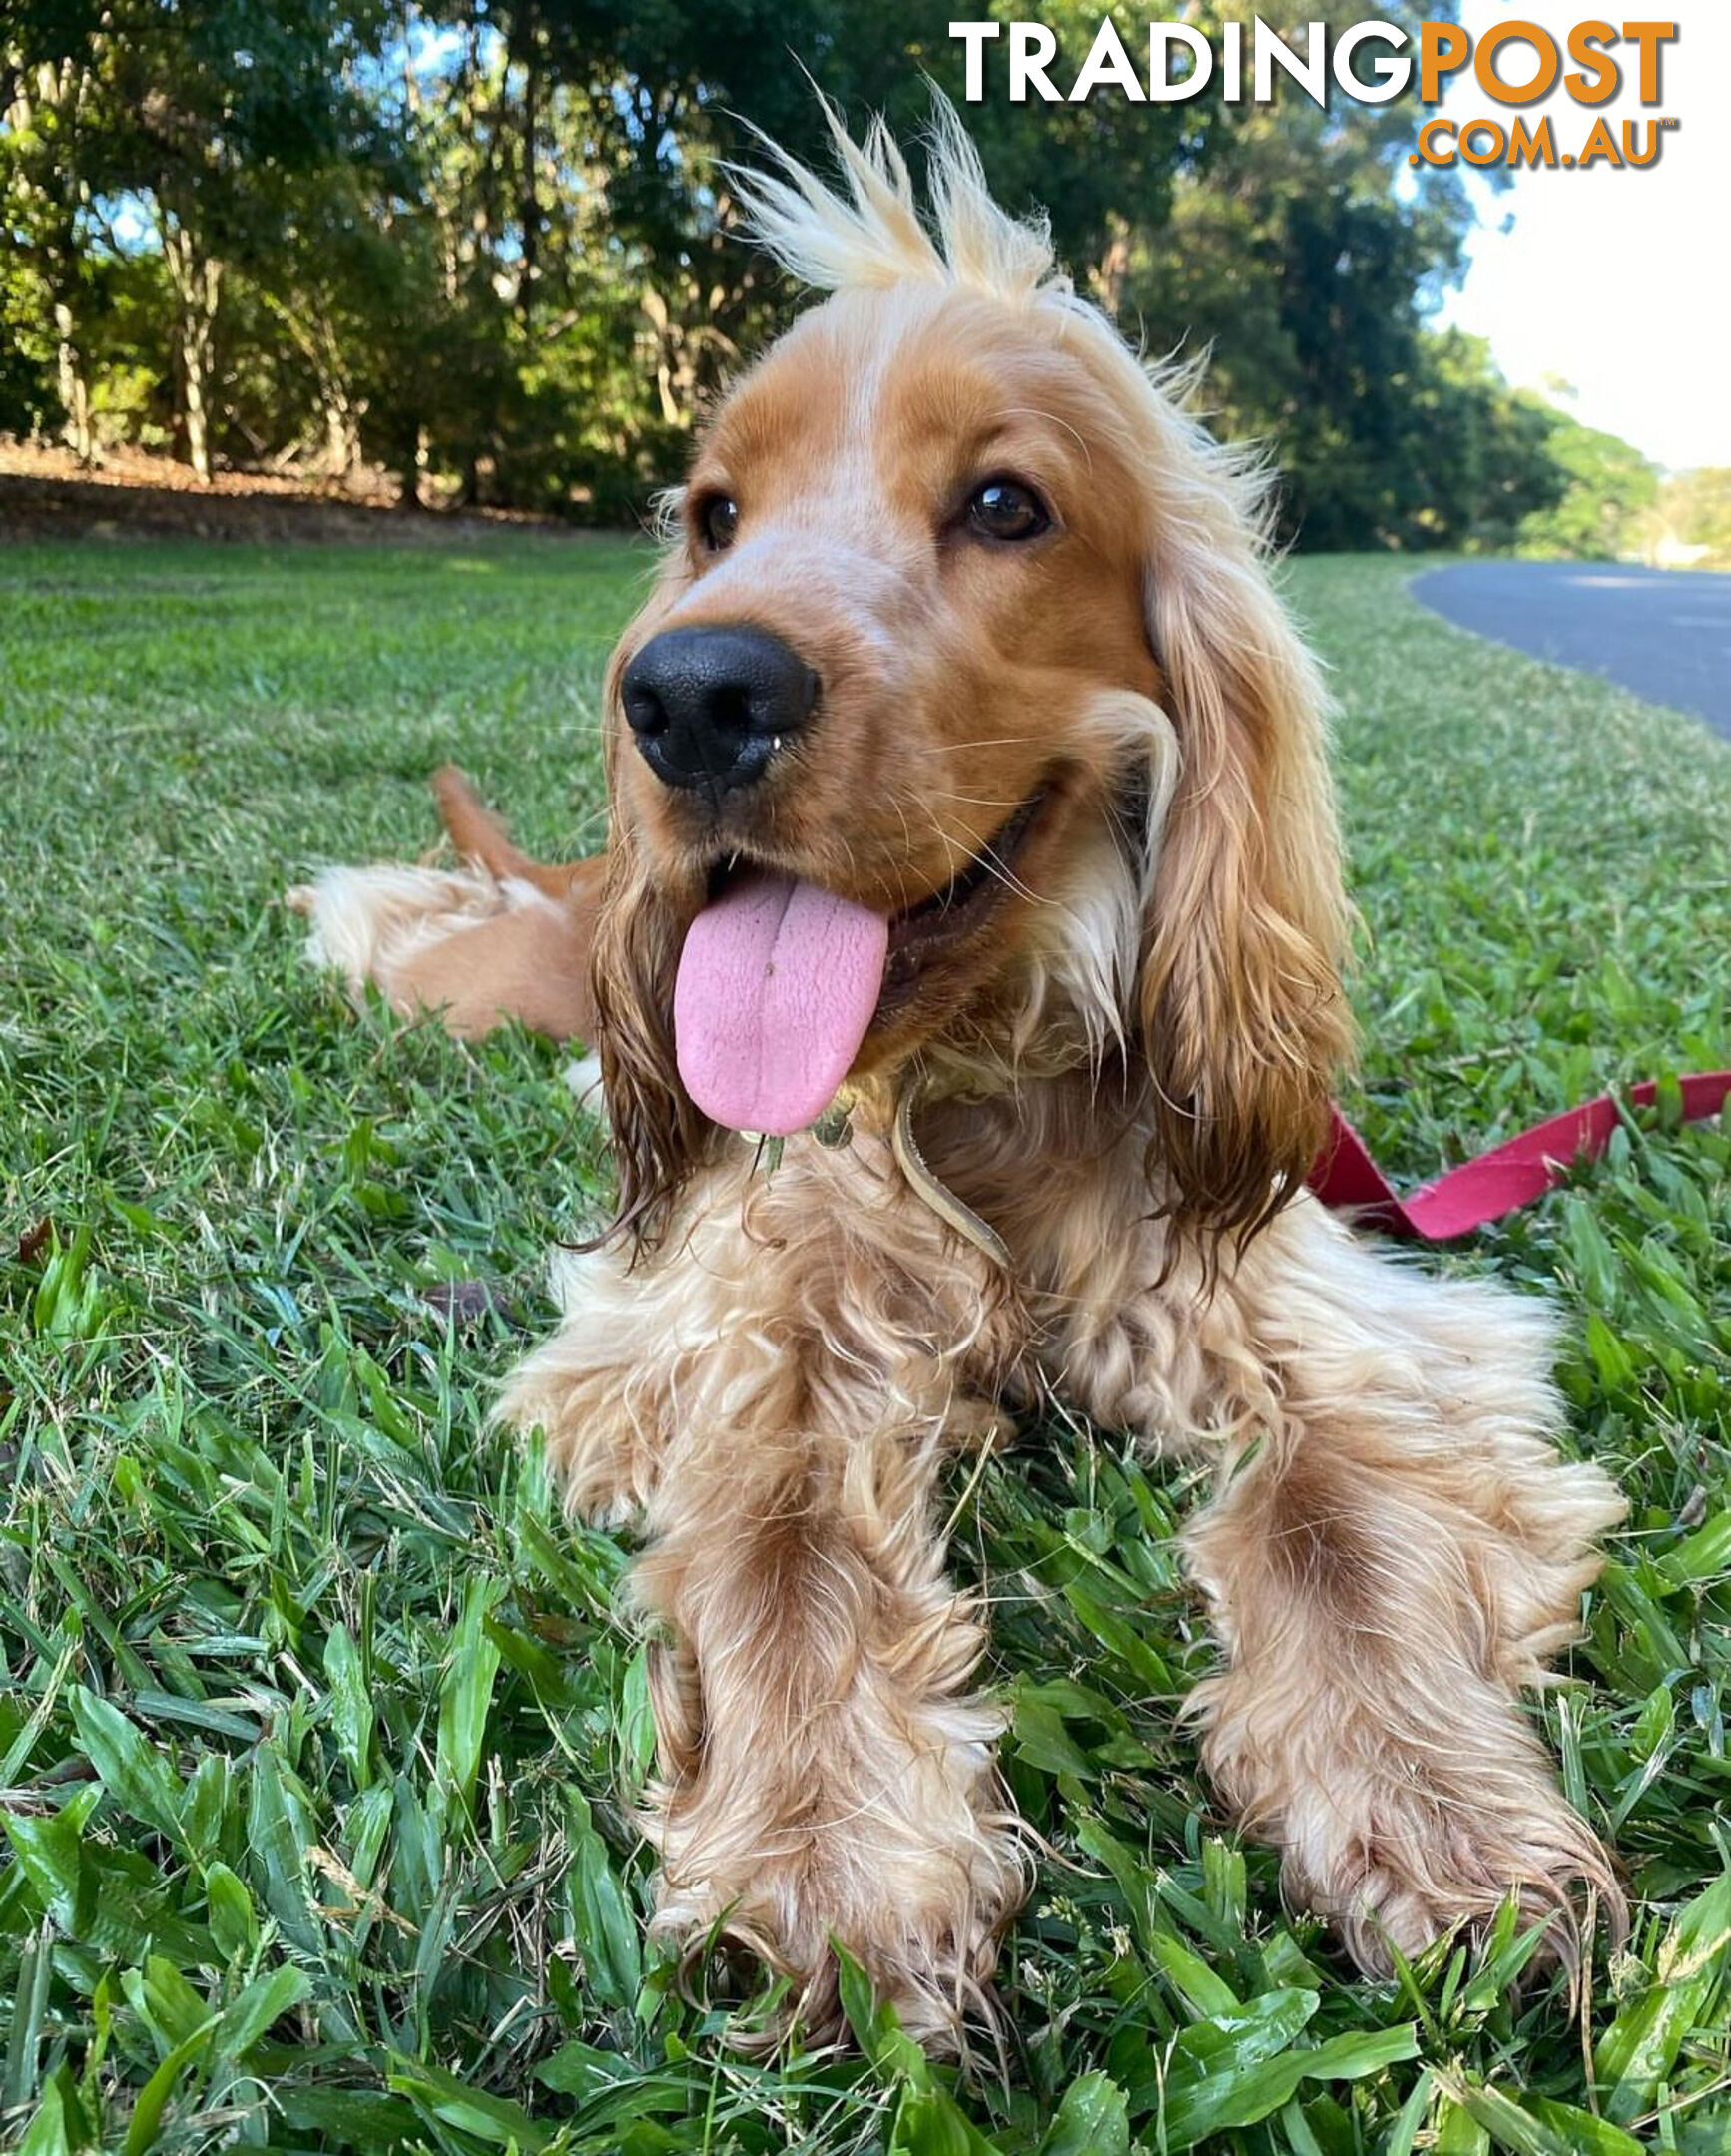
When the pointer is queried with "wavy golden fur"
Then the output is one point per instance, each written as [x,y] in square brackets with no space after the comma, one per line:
[1121,1045]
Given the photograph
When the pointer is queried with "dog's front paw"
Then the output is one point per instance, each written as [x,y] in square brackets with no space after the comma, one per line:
[1400,1861]
[889,1836]
[923,1925]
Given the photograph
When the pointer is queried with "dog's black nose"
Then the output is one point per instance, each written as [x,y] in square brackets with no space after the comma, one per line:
[709,706]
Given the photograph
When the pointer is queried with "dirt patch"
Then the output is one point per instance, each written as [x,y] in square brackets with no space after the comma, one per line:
[47,494]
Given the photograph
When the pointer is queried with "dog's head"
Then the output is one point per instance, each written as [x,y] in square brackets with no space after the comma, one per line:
[963,725]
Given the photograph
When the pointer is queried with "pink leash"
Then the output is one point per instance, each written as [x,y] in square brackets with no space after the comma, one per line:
[1510,1176]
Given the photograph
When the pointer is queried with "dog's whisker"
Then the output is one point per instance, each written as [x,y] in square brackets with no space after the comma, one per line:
[964,748]
[972,801]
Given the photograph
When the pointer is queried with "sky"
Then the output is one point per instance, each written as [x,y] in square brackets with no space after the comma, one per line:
[1618,283]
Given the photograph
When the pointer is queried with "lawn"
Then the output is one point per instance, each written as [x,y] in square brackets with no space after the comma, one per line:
[313,1724]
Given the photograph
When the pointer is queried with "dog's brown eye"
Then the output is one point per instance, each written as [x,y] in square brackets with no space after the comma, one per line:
[718,519]
[1005,509]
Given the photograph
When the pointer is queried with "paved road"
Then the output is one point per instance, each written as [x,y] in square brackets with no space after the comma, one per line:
[1666,633]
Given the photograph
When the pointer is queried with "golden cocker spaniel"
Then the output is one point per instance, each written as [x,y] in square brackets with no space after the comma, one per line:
[971,836]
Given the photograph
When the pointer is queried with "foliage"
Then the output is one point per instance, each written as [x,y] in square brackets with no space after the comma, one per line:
[28,400]
[492,249]
[1297,263]
[1481,452]
[1610,493]
[1696,508]
[198,113]
[315,1721]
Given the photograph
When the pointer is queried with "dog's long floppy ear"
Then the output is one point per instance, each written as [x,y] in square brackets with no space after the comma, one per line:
[659,1136]
[1243,1021]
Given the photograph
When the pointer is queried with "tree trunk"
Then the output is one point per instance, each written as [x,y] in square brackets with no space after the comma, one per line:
[342,420]
[413,463]
[341,433]
[73,384]
[667,371]
[320,346]
[1111,271]
[197,287]
[530,211]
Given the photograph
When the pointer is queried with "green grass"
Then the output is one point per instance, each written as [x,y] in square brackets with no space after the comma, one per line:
[313,1726]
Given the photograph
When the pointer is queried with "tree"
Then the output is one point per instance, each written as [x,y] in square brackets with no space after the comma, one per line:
[55,160]
[491,246]
[1695,509]
[1478,455]
[1294,261]
[1607,492]
[201,111]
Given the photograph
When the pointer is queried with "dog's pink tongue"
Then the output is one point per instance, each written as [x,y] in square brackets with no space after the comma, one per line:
[777,984]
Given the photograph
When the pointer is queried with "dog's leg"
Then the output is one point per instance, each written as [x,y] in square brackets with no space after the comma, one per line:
[827,1775]
[776,1396]
[503,937]
[1393,1552]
